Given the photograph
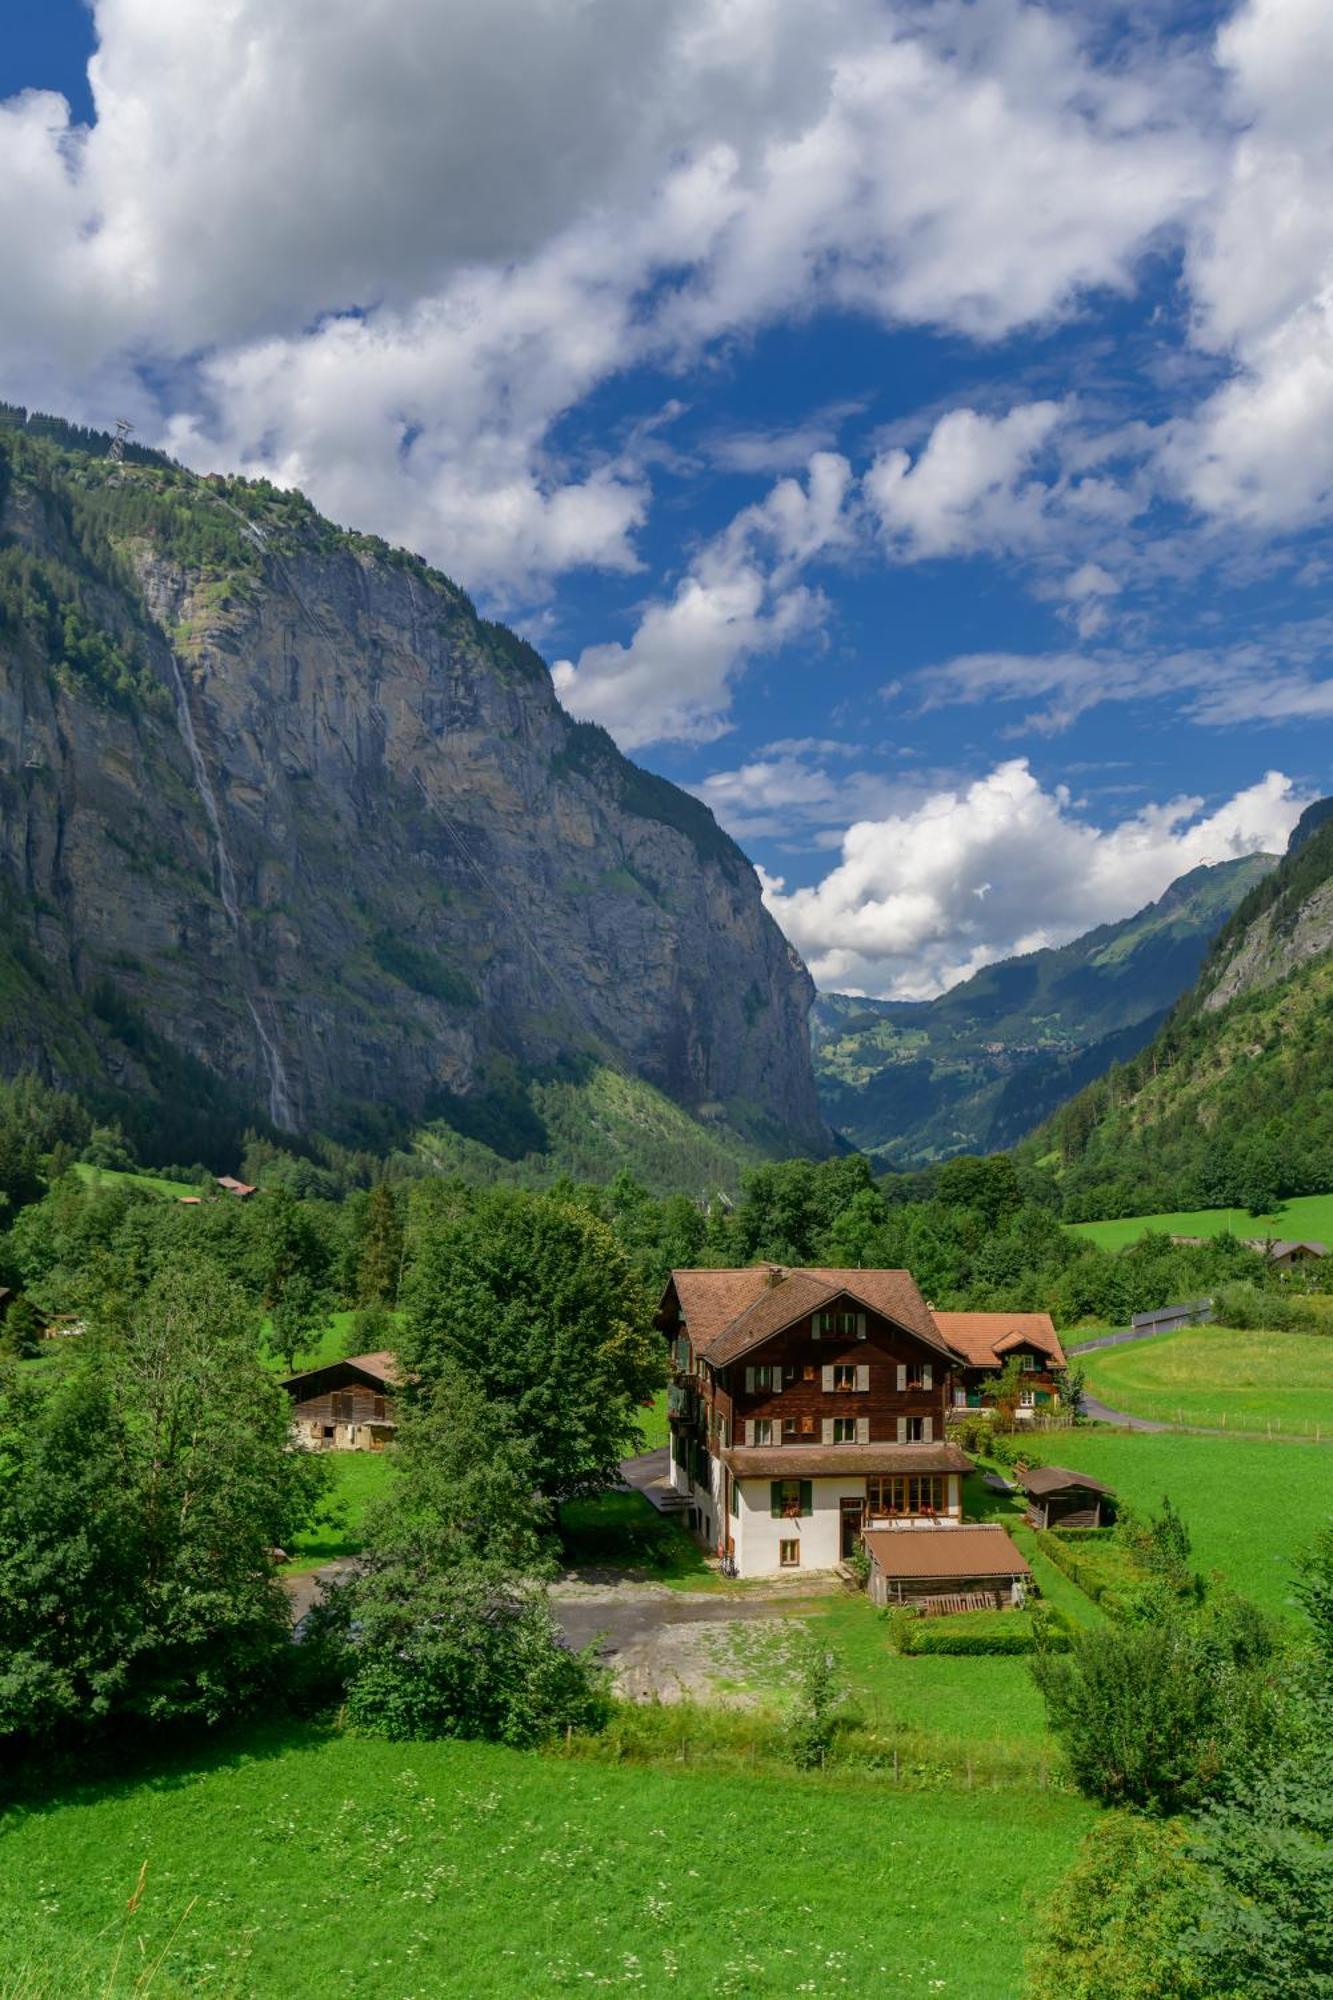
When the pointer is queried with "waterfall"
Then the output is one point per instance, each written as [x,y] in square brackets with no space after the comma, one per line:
[279,1091]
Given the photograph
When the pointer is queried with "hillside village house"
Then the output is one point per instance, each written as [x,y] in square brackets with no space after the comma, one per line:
[988,1340]
[807,1405]
[346,1405]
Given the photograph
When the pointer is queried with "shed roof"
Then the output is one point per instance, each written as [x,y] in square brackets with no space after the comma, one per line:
[1043,1479]
[380,1369]
[1283,1246]
[924,1553]
[985,1338]
[813,1461]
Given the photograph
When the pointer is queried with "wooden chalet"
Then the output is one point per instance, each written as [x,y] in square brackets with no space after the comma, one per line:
[345,1405]
[946,1569]
[1286,1253]
[987,1340]
[1059,1498]
[806,1404]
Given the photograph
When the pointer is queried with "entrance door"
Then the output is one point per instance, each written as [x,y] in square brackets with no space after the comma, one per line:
[853,1512]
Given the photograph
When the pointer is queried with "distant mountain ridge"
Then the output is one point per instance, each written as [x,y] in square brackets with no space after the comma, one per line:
[977,1068]
[1229,1103]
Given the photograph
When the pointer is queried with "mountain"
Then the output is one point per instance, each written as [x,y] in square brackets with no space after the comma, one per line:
[975,1069]
[288,831]
[1229,1103]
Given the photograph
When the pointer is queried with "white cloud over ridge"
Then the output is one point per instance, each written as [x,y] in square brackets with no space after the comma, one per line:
[971,873]
[383,249]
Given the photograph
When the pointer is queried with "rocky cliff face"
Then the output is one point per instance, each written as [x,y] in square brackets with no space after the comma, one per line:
[275,797]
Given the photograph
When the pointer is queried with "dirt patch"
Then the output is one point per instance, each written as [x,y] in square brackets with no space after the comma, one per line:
[667,1645]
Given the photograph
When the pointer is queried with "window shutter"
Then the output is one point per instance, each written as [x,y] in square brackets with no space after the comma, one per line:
[775,1499]
[735,1496]
[863,1430]
[862,1377]
[860,1326]
[928,1376]
[817,1326]
[902,1430]
[928,1430]
[749,1430]
[807,1497]
[827,1373]
[826,1430]
[902,1376]
[749,1379]
[775,1380]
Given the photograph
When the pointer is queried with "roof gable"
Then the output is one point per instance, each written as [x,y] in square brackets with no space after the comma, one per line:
[378,1371]
[729,1312]
[984,1338]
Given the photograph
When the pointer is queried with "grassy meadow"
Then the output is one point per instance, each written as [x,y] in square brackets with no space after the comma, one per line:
[154,1183]
[1218,1377]
[359,1479]
[1309,1215]
[318,1864]
[1250,1506]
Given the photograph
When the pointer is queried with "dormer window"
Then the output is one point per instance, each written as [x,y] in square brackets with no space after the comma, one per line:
[1027,1364]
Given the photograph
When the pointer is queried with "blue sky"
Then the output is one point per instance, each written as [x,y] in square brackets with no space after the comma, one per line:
[908,423]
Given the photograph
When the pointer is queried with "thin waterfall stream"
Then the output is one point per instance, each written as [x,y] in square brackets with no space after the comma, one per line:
[279,1091]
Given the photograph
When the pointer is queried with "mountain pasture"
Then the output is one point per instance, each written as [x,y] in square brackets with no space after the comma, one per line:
[1304,1216]
[1217,1377]
[325,1864]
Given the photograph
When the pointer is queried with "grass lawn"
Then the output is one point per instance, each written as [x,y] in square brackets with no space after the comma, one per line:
[1309,1215]
[625,1532]
[1249,1506]
[336,1341]
[360,1477]
[653,1422]
[1213,1375]
[173,1190]
[295,1869]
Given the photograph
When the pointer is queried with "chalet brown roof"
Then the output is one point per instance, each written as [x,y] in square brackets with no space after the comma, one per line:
[812,1461]
[380,1368]
[1043,1479]
[985,1338]
[729,1312]
[922,1553]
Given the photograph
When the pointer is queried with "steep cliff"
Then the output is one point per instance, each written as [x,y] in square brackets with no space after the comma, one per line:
[280,815]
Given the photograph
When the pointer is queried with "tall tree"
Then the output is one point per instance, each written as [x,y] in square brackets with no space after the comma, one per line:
[381,1259]
[535,1299]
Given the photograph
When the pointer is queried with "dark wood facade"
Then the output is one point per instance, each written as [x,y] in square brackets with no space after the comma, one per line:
[346,1406]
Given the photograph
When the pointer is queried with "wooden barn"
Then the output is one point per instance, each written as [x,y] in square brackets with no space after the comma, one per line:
[346,1405]
[946,1568]
[1058,1498]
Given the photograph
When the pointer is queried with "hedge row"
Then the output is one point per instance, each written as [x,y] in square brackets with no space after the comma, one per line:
[918,1636]
[1090,1580]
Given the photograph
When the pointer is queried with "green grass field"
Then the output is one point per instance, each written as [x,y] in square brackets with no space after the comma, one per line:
[653,1423]
[1308,1215]
[1250,1506]
[1215,1376]
[336,1340]
[290,1869]
[360,1477]
[97,1176]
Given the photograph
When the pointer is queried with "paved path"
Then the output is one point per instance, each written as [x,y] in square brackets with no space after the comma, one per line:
[650,1474]
[304,1590]
[1121,1418]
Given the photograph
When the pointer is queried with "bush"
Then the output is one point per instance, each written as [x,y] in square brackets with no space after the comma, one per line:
[814,1720]
[1115,1927]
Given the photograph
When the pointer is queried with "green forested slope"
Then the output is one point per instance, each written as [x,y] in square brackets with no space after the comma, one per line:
[1232,1101]
[977,1068]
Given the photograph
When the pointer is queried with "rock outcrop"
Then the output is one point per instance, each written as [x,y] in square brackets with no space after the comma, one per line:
[275,797]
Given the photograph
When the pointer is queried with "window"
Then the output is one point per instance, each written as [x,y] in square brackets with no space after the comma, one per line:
[1027,1364]
[789,1555]
[790,1498]
[808,1372]
[916,1430]
[381,1409]
[764,1377]
[763,1430]
[915,1375]
[342,1408]
[848,1325]
[788,1429]
[1027,1399]
[844,1375]
[807,1427]
[844,1430]
[919,1494]
[789,1371]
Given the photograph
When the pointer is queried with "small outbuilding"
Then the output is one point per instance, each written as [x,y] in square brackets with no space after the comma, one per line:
[1060,1498]
[346,1405]
[1286,1252]
[946,1568]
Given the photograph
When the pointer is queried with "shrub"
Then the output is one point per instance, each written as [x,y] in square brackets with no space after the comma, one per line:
[1116,1927]
[814,1720]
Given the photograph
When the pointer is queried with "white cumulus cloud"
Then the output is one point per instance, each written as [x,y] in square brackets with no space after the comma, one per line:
[970,873]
